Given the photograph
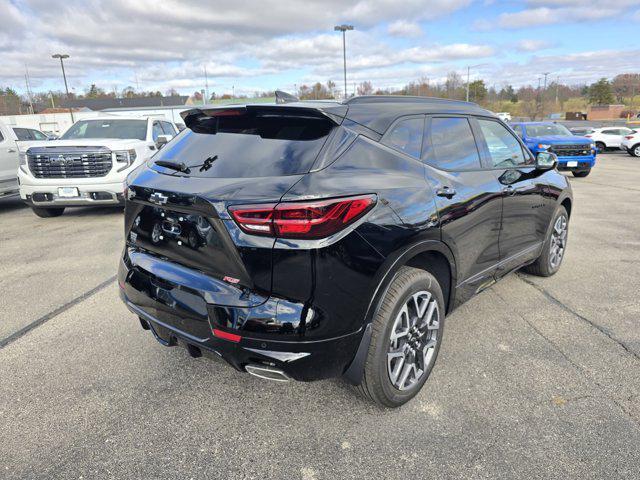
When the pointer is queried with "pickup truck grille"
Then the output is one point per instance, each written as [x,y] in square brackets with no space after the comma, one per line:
[571,150]
[69,164]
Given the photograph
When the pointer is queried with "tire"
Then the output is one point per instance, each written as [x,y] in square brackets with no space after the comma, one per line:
[601,146]
[48,212]
[581,173]
[635,151]
[544,266]
[416,290]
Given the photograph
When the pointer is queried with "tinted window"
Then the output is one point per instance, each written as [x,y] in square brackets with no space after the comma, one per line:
[453,145]
[168,129]
[125,129]
[406,136]
[253,144]
[22,134]
[38,135]
[504,149]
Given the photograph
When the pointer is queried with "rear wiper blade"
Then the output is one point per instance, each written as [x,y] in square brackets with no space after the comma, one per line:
[180,167]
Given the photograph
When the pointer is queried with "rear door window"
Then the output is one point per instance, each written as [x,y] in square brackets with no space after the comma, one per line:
[451,144]
[252,143]
[22,134]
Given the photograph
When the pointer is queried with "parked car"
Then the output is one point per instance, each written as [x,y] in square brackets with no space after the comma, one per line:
[631,143]
[89,163]
[576,154]
[10,147]
[310,240]
[608,137]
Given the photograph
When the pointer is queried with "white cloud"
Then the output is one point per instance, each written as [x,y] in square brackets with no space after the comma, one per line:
[403,28]
[532,45]
[551,12]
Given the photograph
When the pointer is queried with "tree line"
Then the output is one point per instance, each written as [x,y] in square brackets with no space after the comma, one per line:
[529,100]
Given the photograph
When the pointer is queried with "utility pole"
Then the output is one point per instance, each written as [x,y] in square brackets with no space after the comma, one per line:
[64,76]
[343,29]
[557,88]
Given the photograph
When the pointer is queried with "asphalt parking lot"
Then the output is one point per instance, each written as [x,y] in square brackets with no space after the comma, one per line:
[537,378]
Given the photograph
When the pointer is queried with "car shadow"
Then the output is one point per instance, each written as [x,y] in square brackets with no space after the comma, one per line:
[14,202]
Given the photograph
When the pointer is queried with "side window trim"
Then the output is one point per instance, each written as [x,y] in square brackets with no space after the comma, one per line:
[486,156]
[427,153]
[385,137]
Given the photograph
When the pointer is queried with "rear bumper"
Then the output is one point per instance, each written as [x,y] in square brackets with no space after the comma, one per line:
[179,317]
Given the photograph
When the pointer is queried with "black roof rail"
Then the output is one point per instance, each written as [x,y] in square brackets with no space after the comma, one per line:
[402,99]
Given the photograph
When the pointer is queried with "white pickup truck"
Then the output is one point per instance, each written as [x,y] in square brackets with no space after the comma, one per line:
[89,164]
[13,140]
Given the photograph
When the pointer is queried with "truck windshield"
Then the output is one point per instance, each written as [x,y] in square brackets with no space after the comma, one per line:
[547,129]
[122,129]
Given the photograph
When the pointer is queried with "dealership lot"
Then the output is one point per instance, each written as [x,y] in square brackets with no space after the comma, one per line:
[537,378]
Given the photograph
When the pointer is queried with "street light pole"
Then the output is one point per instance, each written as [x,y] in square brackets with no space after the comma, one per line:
[64,76]
[469,67]
[343,29]
[544,91]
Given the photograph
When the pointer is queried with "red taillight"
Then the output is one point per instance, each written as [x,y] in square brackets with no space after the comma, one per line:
[232,337]
[588,136]
[628,137]
[316,219]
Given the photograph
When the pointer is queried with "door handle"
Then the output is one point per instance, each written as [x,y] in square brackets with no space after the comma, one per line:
[509,190]
[11,150]
[446,191]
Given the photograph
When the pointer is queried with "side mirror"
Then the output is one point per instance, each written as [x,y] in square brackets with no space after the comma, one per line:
[162,140]
[546,161]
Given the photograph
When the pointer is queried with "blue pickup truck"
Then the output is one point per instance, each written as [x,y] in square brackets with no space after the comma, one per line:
[577,154]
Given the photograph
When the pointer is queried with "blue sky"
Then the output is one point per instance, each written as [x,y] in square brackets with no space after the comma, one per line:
[252,45]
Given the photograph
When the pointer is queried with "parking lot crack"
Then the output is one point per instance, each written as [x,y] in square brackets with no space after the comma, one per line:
[582,318]
[576,366]
[54,313]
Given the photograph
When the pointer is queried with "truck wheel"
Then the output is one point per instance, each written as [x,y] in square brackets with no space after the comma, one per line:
[48,212]
[405,339]
[549,261]
[581,173]
[601,146]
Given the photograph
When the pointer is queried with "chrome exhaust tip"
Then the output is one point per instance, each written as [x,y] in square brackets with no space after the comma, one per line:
[267,373]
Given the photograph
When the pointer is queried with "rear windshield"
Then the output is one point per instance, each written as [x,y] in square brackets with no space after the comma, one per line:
[251,144]
[121,129]
[547,129]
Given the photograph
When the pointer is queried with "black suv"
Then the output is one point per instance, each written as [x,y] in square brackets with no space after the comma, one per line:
[309,240]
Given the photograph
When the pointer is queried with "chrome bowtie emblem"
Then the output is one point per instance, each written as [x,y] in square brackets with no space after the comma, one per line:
[158,198]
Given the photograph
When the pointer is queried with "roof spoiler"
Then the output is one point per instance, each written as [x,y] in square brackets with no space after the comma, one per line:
[284,97]
[206,120]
